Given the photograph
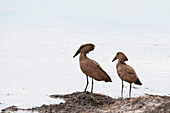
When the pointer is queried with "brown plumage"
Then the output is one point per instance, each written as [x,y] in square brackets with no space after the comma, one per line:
[90,67]
[126,72]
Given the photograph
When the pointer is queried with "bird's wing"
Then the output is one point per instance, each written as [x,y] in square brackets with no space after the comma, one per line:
[131,74]
[94,70]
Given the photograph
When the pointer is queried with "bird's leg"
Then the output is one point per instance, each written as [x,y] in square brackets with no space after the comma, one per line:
[122,89]
[130,90]
[92,86]
[87,83]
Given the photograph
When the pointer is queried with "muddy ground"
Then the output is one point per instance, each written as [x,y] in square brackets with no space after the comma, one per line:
[87,102]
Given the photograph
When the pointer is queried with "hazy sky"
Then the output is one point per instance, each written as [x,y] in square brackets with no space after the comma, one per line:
[107,14]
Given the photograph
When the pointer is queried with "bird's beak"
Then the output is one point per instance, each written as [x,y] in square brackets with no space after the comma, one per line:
[78,51]
[114,59]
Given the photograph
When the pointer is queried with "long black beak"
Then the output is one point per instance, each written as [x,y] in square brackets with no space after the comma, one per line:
[78,51]
[114,59]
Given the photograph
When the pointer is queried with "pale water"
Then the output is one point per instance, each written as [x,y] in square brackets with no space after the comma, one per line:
[38,41]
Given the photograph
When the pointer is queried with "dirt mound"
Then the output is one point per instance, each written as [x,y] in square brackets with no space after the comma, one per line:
[87,102]
[77,102]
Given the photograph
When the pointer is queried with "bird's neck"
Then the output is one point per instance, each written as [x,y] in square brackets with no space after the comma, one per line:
[120,62]
[82,56]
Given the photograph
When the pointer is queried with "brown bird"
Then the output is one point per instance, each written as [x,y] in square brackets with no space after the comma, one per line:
[90,67]
[126,72]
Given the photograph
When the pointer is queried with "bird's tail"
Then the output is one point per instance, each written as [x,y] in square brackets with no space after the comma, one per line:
[108,79]
[138,82]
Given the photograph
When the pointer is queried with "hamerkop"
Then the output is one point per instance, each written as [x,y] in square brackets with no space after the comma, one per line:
[126,72]
[90,67]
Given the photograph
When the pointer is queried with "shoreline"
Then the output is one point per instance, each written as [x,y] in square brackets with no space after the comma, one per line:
[87,102]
